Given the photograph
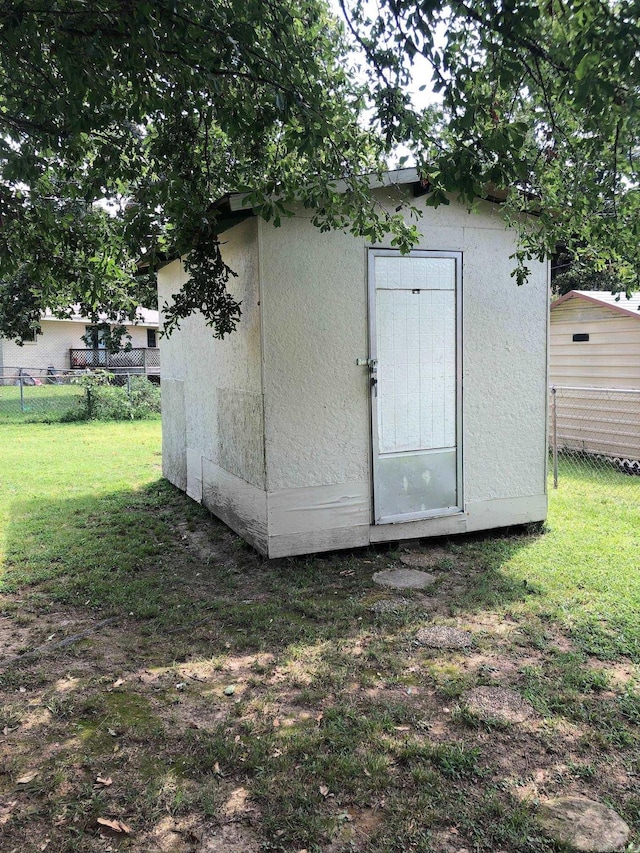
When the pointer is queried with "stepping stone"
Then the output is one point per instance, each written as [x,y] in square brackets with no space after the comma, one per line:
[404,579]
[498,703]
[442,637]
[584,825]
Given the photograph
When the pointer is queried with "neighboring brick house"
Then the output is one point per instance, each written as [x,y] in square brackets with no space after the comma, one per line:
[60,346]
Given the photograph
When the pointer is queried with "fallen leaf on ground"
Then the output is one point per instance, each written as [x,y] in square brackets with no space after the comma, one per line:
[118,683]
[324,790]
[114,825]
[28,777]
[101,780]
[230,690]
[6,811]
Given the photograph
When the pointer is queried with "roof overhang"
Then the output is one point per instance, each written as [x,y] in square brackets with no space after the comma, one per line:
[393,178]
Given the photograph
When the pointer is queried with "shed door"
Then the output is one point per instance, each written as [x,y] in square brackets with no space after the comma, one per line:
[415,389]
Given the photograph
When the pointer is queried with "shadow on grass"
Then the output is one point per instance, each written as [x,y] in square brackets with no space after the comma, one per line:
[156,555]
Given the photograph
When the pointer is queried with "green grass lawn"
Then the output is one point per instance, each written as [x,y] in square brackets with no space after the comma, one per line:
[267,704]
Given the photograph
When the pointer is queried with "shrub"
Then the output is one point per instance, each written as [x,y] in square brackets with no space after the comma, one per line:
[145,398]
[104,401]
[110,403]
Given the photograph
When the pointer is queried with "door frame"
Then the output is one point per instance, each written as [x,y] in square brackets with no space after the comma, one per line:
[372,254]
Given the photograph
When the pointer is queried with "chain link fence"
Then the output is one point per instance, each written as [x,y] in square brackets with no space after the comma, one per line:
[32,395]
[594,436]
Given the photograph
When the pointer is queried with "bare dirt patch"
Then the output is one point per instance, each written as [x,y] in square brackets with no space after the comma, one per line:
[499,704]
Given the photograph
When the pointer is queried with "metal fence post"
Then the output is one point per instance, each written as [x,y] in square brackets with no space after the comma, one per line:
[21,378]
[554,434]
[129,386]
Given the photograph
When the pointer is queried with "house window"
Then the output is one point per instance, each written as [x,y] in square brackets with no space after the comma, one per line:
[151,338]
[580,337]
[30,337]
[94,337]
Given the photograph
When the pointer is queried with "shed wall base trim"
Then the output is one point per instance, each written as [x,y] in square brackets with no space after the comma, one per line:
[480,515]
[318,508]
[504,512]
[290,522]
[241,506]
[194,475]
[290,545]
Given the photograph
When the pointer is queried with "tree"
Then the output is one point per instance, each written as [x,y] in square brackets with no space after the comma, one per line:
[576,278]
[541,96]
[122,122]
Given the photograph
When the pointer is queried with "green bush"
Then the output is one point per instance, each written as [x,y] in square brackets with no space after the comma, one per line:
[145,398]
[110,403]
[103,401]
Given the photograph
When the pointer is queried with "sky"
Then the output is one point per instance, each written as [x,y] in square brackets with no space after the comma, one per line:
[421,73]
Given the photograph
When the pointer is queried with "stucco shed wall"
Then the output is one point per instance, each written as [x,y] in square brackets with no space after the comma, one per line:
[213,428]
[317,421]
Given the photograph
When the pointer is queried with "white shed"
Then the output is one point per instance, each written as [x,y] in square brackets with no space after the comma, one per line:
[366,396]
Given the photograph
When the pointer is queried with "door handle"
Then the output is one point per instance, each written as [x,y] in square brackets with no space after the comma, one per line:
[372,364]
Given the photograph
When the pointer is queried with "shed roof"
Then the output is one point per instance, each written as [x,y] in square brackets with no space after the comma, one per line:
[616,301]
[240,201]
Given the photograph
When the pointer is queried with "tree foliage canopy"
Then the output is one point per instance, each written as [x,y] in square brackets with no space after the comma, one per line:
[122,122]
[541,96]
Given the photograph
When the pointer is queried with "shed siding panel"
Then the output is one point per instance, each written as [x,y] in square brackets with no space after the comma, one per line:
[223,439]
[505,369]
[315,327]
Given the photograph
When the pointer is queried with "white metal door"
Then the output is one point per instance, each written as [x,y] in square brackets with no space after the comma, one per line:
[415,357]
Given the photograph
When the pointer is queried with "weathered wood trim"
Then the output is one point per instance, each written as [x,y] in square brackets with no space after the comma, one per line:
[313,509]
[291,544]
[240,505]
[194,474]
[504,512]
